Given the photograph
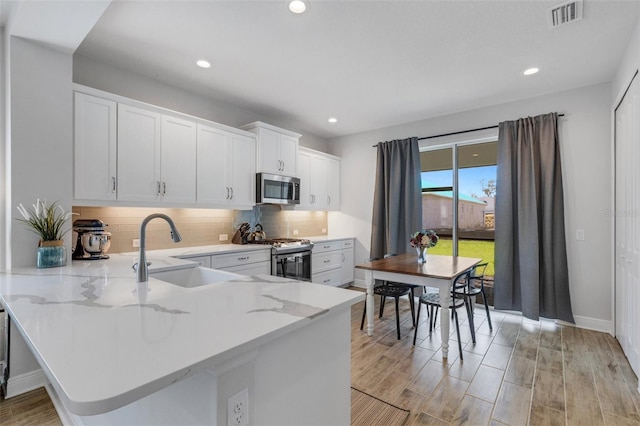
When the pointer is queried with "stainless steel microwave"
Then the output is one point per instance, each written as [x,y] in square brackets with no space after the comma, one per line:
[277,189]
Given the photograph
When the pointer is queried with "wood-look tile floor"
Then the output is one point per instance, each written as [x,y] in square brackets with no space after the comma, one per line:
[523,372]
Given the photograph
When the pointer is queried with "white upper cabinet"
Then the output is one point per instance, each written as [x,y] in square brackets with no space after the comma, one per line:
[138,154]
[156,157]
[333,184]
[319,180]
[94,148]
[178,160]
[226,168]
[277,149]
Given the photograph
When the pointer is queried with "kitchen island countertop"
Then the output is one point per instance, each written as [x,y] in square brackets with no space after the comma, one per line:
[104,340]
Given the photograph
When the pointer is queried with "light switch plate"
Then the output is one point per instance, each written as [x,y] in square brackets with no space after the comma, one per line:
[580,234]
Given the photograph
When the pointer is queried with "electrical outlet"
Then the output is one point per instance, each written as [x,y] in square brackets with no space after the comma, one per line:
[238,409]
[223,237]
[324,230]
[295,232]
[136,242]
[580,234]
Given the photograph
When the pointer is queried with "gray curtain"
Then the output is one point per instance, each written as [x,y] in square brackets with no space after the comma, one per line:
[397,200]
[531,273]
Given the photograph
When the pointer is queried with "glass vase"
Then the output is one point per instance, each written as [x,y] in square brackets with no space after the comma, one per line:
[422,254]
[51,254]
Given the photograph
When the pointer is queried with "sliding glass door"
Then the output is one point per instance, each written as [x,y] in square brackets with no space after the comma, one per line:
[458,198]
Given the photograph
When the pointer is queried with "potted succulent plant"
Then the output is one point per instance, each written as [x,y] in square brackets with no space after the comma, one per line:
[48,221]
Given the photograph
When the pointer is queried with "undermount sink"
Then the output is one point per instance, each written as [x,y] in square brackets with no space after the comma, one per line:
[194,277]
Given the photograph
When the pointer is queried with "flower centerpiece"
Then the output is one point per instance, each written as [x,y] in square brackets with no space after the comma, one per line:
[422,240]
[48,222]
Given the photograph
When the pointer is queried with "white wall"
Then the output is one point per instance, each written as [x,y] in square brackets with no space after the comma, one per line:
[585,138]
[41,136]
[628,66]
[135,86]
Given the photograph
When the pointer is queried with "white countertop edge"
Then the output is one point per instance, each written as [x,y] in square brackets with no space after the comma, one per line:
[86,408]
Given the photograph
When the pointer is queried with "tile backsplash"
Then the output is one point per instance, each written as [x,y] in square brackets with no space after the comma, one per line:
[199,227]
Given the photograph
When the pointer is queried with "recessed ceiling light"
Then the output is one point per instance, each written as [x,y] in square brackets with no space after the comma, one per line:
[297,6]
[474,155]
[332,120]
[531,71]
[203,64]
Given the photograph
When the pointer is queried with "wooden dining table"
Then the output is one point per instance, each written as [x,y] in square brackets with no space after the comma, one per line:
[438,272]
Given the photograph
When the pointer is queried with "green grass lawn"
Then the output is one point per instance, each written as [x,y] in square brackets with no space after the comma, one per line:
[468,248]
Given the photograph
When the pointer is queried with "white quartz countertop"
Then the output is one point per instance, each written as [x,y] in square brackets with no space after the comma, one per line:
[186,252]
[323,238]
[105,341]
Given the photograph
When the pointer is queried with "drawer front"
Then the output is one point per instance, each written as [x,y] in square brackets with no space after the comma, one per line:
[240,258]
[333,278]
[348,244]
[204,261]
[325,261]
[326,246]
[250,269]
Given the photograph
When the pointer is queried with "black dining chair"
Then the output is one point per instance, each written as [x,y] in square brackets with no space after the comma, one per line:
[395,290]
[432,300]
[475,286]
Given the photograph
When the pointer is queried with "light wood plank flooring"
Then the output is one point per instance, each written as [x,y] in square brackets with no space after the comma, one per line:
[522,372]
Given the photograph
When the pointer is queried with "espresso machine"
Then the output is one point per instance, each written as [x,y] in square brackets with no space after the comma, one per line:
[93,241]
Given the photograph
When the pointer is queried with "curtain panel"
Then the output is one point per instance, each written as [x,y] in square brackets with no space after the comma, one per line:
[397,200]
[531,272]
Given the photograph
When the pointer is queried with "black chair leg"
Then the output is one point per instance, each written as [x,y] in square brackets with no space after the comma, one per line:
[432,319]
[364,314]
[382,300]
[397,317]
[455,316]
[486,308]
[467,305]
[415,330]
[413,309]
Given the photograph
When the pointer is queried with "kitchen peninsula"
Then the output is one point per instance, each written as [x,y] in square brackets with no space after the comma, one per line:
[119,352]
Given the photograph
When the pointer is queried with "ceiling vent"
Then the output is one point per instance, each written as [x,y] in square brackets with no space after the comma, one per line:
[565,13]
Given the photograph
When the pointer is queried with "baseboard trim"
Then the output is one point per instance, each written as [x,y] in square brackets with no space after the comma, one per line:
[26,382]
[595,324]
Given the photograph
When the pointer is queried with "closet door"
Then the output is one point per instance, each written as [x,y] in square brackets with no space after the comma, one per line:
[627,224]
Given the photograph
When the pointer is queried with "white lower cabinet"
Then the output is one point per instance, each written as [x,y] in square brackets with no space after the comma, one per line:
[332,262]
[250,262]
[348,261]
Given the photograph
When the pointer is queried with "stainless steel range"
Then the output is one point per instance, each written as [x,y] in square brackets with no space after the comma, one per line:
[290,257]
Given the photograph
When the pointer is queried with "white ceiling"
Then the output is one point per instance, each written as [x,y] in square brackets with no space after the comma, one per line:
[371,64]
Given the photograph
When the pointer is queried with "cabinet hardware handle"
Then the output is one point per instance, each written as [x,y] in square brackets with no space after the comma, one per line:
[283,166]
[243,258]
[327,280]
[164,188]
[328,200]
[326,261]
[231,193]
[113,184]
[343,257]
[227,188]
[158,187]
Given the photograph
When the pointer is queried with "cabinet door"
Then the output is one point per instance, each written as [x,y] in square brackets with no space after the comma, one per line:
[243,170]
[178,160]
[213,166]
[306,198]
[333,184]
[318,180]
[269,151]
[94,148]
[348,265]
[138,154]
[288,155]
